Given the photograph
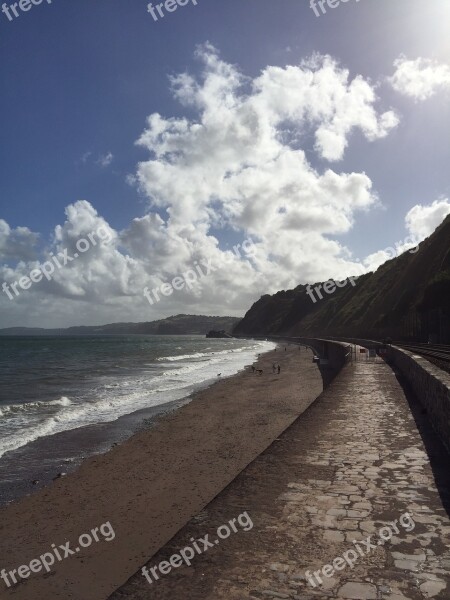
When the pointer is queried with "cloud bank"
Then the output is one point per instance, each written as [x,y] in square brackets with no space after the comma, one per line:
[238,165]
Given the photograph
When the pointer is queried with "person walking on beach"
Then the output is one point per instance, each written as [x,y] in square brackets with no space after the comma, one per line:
[279,369]
[274,368]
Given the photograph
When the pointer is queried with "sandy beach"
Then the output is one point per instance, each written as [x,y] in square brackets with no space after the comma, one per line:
[150,486]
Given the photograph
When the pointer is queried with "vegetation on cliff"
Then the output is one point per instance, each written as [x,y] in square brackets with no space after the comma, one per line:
[408,297]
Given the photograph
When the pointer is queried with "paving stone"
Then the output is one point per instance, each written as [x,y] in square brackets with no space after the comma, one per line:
[329,583]
[358,514]
[414,557]
[333,535]
[432,588]
[358,591]
[348,524]
[354,535]
[337,512]
[367,526]
[408,565]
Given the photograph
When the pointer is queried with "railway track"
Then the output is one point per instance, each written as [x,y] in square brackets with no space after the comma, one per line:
[439,354]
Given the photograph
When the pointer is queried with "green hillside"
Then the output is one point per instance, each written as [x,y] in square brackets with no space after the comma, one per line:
[406,298]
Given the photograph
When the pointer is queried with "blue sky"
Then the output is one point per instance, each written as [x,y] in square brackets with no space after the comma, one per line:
[80,79]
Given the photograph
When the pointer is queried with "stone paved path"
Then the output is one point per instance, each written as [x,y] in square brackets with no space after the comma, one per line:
[350,467]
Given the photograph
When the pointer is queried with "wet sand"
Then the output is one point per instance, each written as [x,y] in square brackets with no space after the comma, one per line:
[29,468]
[150,486]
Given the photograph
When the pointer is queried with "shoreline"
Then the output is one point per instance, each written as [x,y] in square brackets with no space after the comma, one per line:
[149,486]
[66,451]
[42,459]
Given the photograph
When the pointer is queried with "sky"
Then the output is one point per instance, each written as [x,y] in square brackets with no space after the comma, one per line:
[226,150]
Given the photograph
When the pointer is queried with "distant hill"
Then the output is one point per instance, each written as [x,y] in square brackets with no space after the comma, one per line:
[406,298]
[177,325]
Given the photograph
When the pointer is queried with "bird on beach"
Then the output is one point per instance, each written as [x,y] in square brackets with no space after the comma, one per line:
[219,374]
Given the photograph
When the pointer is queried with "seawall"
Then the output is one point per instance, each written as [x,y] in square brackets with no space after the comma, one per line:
[430,384]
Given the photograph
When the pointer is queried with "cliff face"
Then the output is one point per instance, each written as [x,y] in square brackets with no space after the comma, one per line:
[407,297]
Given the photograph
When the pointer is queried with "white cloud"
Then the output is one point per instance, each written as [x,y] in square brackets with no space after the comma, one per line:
[238,164]
[104,160]
[16,244]
[106,283]
[420,79]
[422,220]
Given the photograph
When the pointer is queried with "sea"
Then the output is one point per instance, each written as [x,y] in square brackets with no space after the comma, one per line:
[63,399]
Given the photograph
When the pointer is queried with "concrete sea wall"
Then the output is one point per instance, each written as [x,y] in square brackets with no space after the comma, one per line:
[430,384]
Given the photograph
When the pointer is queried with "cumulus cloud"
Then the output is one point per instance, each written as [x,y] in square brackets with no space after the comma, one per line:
[240,162]
[16,244]
[95,276]
[237,164]
[109,278]
[422,220]
[421,78]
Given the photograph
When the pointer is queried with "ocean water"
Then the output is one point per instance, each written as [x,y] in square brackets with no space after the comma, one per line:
[51,386]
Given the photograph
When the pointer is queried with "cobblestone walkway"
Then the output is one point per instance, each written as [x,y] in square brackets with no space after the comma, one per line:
[333,490]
